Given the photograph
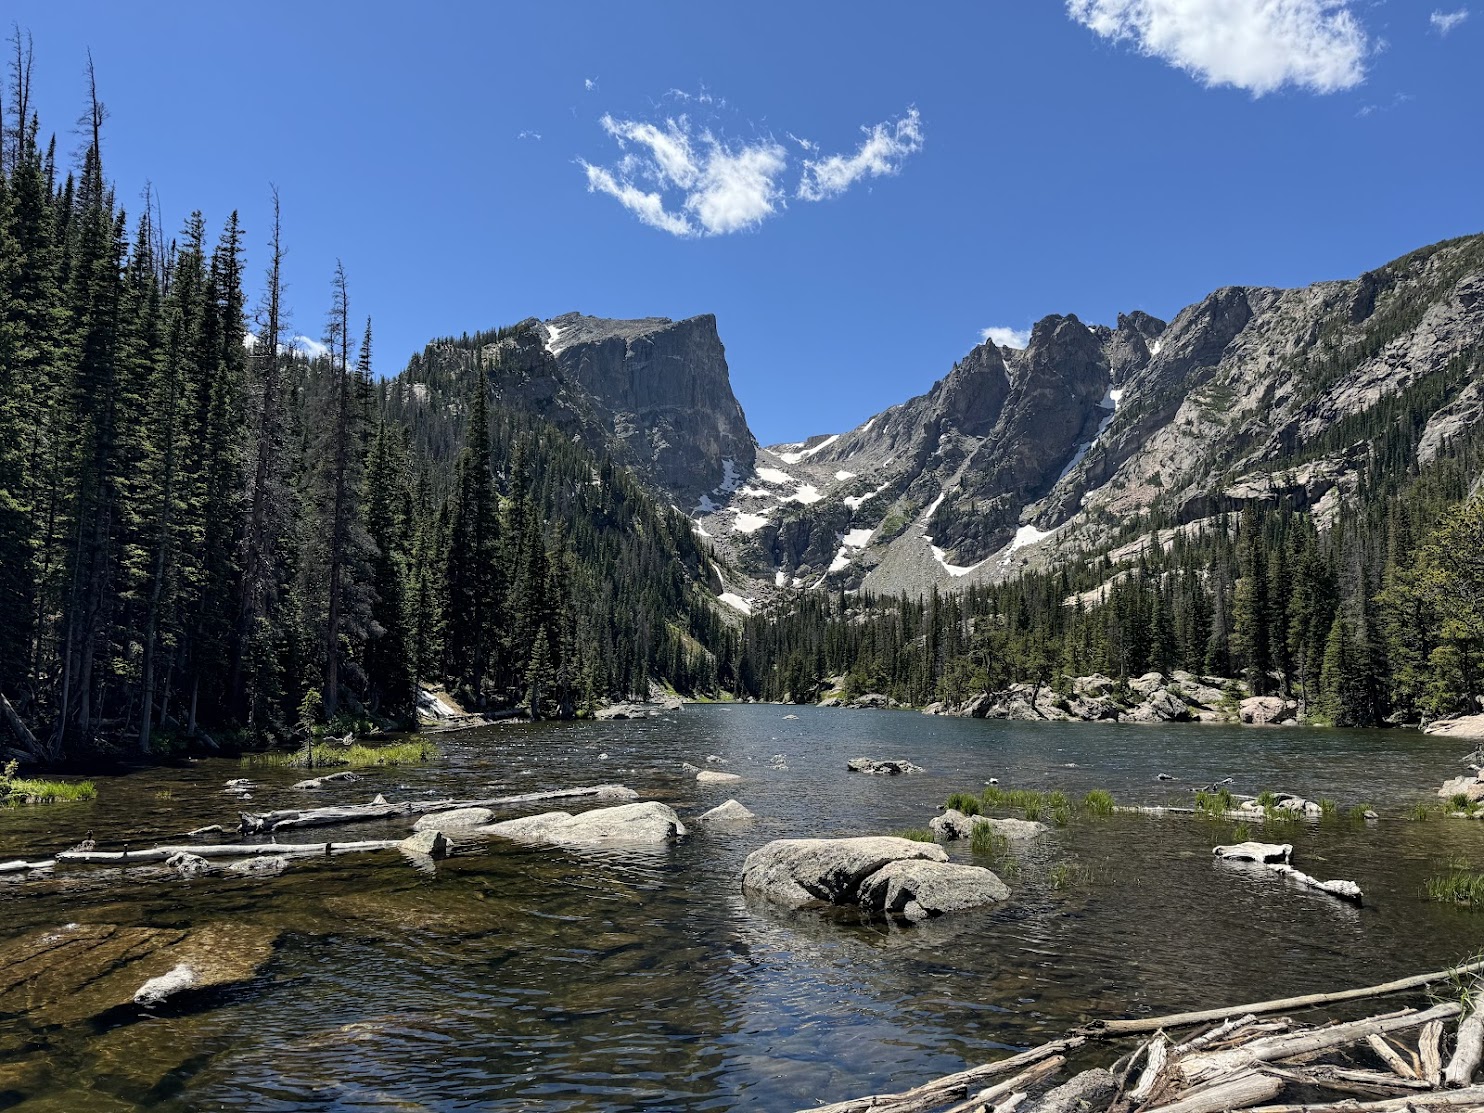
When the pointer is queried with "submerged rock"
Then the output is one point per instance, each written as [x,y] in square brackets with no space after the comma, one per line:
[712,777]
[82,971]
[649,822]
[954,824]
[270,864]
[345,777]
[187,864]
[729,814]
[891,768]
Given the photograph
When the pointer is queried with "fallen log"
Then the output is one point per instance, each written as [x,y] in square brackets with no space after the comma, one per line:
[1391,1056]
[1214,1035]
[1209,1064]
[932,1094]
[1154,1065]
[1345,890]
[1469,1048]
[262,823]
[222,850]
[20,865]
[1474,1095]
[1237,1092]
[21,731]
[1022,1081]
[1430,1053]
[1109,1028]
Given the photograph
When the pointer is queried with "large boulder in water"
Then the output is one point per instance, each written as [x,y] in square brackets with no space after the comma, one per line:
[890,767]
[730,814]
[649,822]
[800,872]
[954,824]
[916,890]
[458,819]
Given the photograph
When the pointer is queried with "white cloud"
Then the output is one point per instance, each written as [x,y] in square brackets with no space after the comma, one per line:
[1444,22]
[590,84]
[1006,337]
[310,347]
[1257,45]
[529,135]
[722,188]
[882,152]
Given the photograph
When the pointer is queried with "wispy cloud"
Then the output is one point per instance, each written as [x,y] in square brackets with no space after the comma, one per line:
[722,187]
[590,84]
[1006,337]
[536,135]
[1445,22]
[689,180]
[883,151]
[1317,45]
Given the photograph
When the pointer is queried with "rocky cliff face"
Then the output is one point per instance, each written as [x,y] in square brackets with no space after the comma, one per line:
[654,394]
[1026,456]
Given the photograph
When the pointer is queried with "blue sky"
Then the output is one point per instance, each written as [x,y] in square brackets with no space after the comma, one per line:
[855,190]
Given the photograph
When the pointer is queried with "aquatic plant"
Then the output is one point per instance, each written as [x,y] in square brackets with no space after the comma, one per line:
[1061,816]
[1358,813]
[46,792]
[1031,809]
[1064,875]
[1215,805]
[1098,802]
[1460,802]
[1460,885]
[1241,833]
[1267,798]
[986,840]
[1058,799]
[965,802]
[357,756]
[916,834]
[1420,813]
[1329,811]
[165,794]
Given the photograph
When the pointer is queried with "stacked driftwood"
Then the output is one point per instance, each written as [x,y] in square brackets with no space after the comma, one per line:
[1245,1059]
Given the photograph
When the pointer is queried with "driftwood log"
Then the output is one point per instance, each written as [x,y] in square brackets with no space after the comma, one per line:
[934,1094]
[1470,1047]
[20,865]
[1283,1004]
[222,850]
[262,823]
[21,731]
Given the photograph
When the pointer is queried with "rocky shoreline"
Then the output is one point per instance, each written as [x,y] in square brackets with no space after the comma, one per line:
[1180,697]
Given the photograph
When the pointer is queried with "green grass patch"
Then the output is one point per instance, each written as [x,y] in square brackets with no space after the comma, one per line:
[1061,816]
[356,756]
[1421,813]
[1460,802]
[986,840]
[965,802]
[1268,799]
[1064,875]
[16,792]
[1099,802]
[916,834]
[1215,805]
[1241,833]
[1460,885]
[1031,809]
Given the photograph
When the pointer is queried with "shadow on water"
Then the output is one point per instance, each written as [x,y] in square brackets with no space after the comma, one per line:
[511,977]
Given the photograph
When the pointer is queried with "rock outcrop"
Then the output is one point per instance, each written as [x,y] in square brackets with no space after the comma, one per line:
[648,822]
[954,824]
[730,814]
[887,768]
[878,875]
[1153,698]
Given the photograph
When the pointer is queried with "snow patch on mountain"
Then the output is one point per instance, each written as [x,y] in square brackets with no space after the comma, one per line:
[736,602]
[795,457]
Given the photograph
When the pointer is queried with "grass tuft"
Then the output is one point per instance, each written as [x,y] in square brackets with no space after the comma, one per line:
[986,840]
[1460,885]
[357,756]
[916,834]
[47,792]
[965,802]
[1099,802]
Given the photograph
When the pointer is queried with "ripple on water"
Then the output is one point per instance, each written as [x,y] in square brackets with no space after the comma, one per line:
[514,976]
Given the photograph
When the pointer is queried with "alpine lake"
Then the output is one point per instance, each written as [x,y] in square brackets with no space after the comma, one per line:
[513,977]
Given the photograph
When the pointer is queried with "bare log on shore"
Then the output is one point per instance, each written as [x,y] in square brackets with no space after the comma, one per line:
[20,865]
[1430,1052]
[1204,1065]
[1468,1051]
[934,1094]
[222,850]
[1473,1096]
[262,823]
[1184,1020]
